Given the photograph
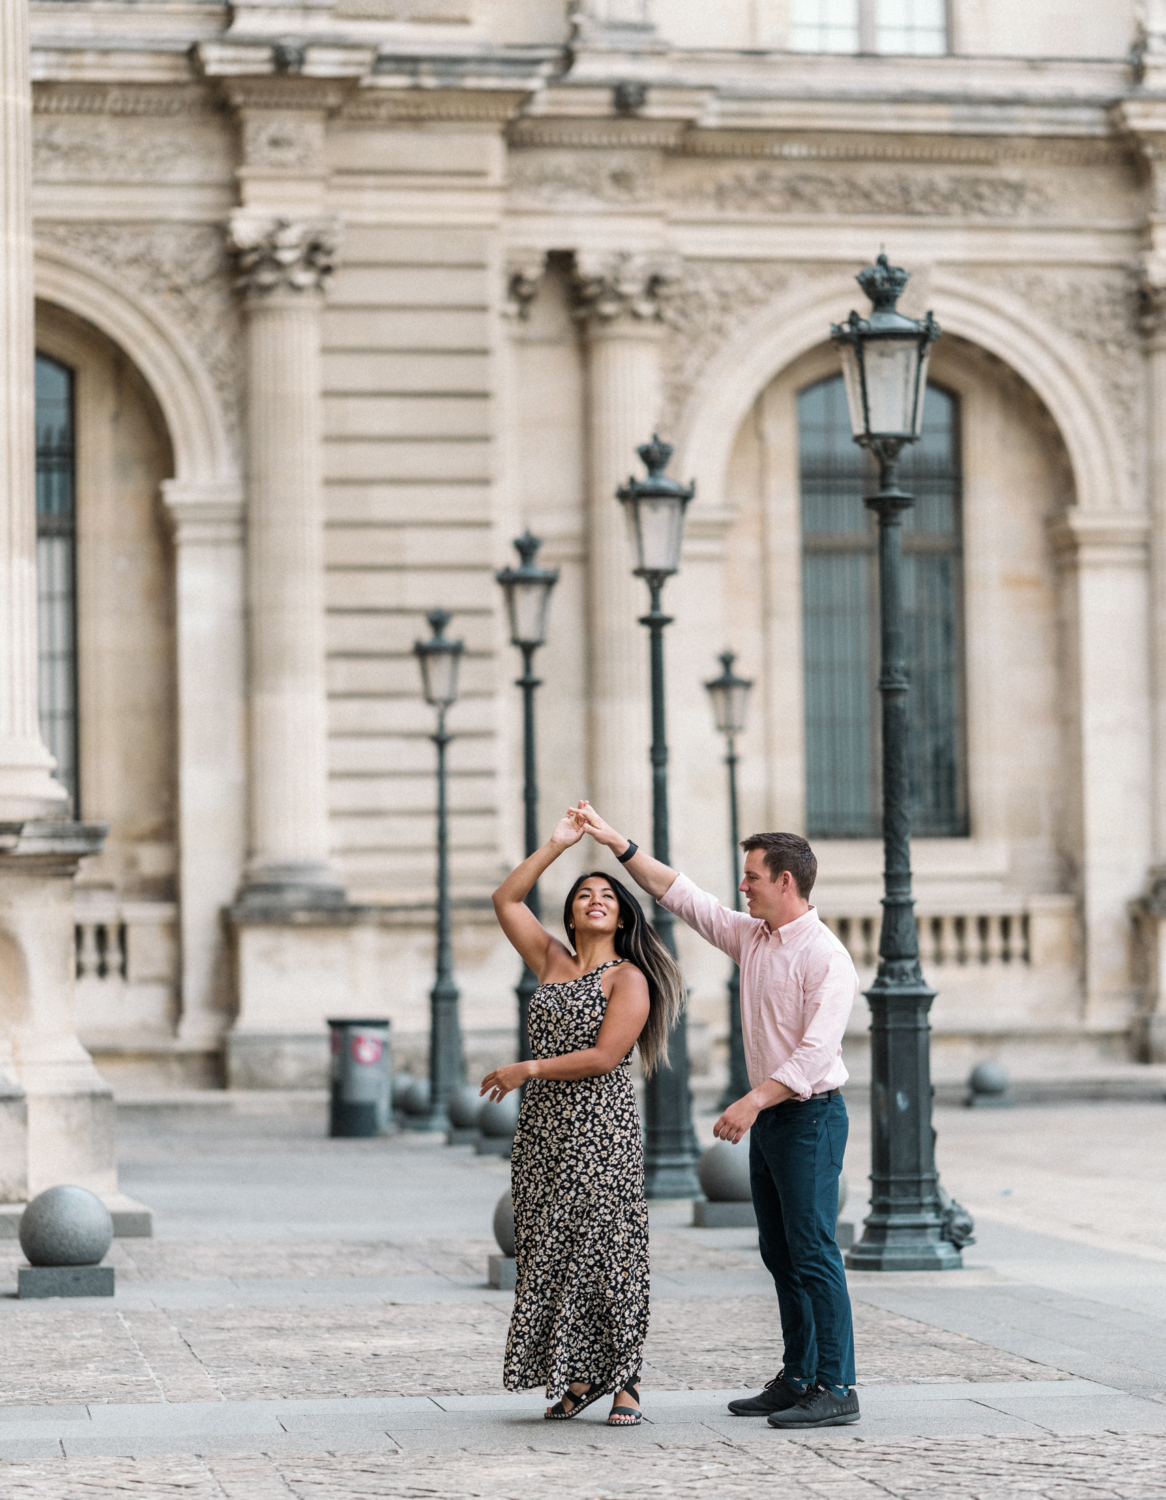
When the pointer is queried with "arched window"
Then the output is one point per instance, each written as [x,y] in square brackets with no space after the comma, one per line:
[56,568]
[840,617]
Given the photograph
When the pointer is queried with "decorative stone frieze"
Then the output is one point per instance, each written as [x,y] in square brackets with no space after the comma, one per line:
[608,288]
[274,255]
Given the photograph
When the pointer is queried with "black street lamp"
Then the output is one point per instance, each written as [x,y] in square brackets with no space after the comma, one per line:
[657,506]
[730,696]
[884,362]
[528,600]
[439,660]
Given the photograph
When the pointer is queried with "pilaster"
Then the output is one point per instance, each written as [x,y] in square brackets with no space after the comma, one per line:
[206,522]
[27,788]
[619,305]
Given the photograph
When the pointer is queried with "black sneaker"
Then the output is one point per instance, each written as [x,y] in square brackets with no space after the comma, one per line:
[819,1407]
[778,1395]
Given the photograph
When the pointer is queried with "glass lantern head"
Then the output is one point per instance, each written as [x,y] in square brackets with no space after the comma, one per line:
[439,659]
[528,594]
[884,360]
[657,505]
[730,697]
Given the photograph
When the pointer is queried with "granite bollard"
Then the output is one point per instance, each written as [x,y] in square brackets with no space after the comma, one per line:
[65,1232]
[723,1171]
[465,1104]
[497,1122]
[502,1267]
[988,1087]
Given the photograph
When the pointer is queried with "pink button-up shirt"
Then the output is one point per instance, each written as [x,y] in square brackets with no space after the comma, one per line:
[798,985]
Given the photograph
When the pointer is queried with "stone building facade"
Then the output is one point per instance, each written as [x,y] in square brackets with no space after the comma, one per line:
[335,298]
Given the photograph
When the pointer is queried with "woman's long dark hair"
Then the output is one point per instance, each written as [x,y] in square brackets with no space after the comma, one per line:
[636,942]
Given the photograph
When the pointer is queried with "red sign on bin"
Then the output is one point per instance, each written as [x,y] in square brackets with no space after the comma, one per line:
[367,1049]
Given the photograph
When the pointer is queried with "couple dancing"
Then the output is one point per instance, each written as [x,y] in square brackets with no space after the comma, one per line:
[580,1220]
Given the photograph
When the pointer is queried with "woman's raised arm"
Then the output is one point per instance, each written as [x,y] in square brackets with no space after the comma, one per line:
[526,933]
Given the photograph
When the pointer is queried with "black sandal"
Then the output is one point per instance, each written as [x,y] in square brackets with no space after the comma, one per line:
[627,1416]
[560,1413]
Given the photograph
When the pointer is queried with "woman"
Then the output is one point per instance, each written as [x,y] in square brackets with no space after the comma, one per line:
[580,1221]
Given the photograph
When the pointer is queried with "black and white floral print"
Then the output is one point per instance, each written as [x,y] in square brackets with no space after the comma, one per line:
[580,1220]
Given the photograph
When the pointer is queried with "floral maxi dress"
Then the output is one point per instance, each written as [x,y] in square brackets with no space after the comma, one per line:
[580,1220]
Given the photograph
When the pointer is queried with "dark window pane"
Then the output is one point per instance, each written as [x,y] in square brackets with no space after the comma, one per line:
[840,606]
[56,563]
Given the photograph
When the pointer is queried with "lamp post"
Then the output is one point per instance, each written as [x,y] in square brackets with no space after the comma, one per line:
[884,364]
[439,658]
[528,600]
[657,506]
[730,697]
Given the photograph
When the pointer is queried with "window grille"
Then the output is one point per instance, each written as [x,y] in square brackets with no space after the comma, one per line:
[841,629]
[916,27]
[56,567]
[824,26]
[911,27]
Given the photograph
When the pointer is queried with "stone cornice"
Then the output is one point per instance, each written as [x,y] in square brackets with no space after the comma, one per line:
[378,102]
[121,99]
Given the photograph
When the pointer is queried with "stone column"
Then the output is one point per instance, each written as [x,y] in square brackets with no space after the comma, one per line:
[282,267]
[1145,122]
[27,788]
[207,525]
[619,302]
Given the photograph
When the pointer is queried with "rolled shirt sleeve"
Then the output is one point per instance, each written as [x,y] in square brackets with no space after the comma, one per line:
[725,929]
[830,989]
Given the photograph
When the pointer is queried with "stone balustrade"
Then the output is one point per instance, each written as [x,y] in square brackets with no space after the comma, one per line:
[127,968]
[947,938]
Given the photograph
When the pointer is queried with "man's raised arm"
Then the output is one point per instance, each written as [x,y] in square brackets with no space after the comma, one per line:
[648,873]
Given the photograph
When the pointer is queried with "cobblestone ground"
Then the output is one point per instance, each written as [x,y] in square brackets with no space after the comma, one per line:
[375,1348]
[836,1467]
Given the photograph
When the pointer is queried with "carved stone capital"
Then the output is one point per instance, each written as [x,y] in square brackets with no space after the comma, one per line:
[608,289]
[276,256]
[524,273]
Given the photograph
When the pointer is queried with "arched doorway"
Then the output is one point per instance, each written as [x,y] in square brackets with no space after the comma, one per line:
[107,682]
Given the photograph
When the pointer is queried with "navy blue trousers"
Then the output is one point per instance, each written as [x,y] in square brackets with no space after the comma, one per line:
[795,1157]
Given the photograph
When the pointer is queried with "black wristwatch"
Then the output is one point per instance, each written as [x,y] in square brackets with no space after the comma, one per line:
[627,854]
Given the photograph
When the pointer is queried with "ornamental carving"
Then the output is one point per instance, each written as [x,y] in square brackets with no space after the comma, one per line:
[183,271]
[1101,312]
[524,274]
[768,188]
[276,255]
[585,176]
[283,143]
[710,303]
[606,287]
[108,148]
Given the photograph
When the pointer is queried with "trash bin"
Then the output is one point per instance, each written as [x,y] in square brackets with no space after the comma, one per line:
[361,1088]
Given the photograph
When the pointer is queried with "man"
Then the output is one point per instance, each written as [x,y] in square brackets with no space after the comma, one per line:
[798,985]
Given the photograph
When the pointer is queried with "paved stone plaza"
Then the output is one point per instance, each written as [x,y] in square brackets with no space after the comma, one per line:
[312,1320]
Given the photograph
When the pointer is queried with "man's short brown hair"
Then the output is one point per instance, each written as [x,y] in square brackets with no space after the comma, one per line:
[786,851]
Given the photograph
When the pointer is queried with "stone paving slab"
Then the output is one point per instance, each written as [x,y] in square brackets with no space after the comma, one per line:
[516,1421]
[597,1463]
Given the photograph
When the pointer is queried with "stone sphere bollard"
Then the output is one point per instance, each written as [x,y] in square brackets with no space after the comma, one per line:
[401,1082]
[416,1098]
[497,1122]
[504,1223]
[988,1086]
[499,1118]
[724,1172]
[464,1106]
[66,1226]
[843,1191]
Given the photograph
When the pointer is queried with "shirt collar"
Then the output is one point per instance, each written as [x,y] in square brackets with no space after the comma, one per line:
[799,925]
